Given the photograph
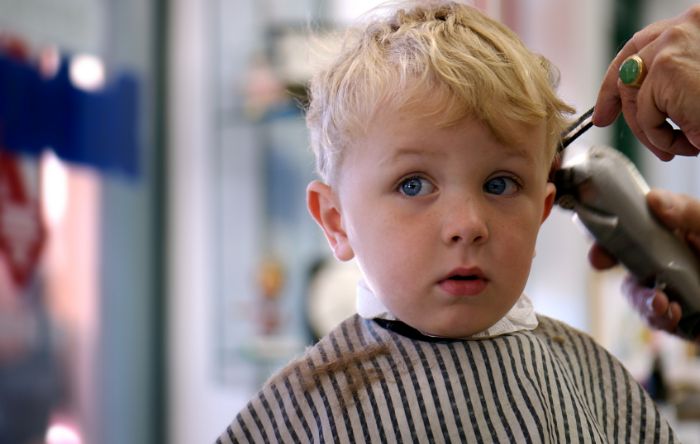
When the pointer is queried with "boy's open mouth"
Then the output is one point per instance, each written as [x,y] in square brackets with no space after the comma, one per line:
[465,274]
[464,282]
[470,277]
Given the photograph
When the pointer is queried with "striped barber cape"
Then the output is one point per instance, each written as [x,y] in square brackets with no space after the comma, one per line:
[371,381]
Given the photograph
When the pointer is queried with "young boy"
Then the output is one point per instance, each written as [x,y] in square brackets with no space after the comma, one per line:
[434,132]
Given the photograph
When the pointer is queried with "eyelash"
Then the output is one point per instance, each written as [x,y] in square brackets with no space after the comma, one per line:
[511,181]
[422,181]
[515,182]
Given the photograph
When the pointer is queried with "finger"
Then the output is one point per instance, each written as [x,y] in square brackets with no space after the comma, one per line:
[662,314]
[664,140]
[600,259]
[608,103]
[669,320]
[690,128]
[665,323]
[607,106]
[629,105]
[652,304]
[674,314]
[658,304]
[652,106]
[668,142]
[676,211]
[643,299]
[651,121]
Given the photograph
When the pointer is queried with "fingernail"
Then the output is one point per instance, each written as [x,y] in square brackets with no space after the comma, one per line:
[649,302]
[669,313]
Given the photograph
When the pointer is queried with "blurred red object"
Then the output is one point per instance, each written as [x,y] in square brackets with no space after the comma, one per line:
[22,230]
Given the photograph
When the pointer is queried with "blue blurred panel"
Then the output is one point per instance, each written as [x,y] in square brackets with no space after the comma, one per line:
[97,129]
[105,128]
[20,98]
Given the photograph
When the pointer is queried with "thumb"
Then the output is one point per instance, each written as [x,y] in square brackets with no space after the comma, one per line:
[676,211]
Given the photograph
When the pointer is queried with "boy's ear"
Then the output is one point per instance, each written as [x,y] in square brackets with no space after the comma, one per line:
[323,205]
[550,194]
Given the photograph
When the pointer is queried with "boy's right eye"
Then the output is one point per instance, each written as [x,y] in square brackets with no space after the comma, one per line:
[416,186]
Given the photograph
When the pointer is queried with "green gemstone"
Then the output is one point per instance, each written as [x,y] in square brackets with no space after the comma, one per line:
[629,71]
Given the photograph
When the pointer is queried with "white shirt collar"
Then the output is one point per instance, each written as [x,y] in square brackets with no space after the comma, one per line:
[520,317]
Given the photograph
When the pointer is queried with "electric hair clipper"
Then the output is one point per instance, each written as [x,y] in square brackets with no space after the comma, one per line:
[607,194]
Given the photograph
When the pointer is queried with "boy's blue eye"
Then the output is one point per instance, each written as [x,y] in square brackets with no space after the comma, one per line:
[415,186]
[501,185]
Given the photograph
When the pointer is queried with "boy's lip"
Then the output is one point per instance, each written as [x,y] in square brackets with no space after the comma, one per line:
[466,272]
[464,281]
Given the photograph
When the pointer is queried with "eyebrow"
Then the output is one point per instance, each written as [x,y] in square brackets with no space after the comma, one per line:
[519,151]
[408,151]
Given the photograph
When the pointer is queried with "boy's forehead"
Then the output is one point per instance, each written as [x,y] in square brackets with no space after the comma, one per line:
[436,101]
[404,134]
[436,110]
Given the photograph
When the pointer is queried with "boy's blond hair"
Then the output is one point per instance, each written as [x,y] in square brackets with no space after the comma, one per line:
[474,65]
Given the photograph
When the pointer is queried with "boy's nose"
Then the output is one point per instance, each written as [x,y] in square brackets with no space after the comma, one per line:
[465,223]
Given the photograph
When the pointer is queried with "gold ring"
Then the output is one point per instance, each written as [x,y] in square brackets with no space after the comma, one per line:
[632,71]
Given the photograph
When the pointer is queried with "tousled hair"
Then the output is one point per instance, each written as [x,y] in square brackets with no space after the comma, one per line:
[475,66]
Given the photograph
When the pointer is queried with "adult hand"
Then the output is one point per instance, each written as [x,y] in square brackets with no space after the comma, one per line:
[681,214]
[670,50]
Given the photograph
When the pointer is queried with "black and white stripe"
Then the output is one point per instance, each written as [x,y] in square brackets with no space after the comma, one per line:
[550,385]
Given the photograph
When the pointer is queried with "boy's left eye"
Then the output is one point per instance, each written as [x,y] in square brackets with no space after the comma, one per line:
[501,185]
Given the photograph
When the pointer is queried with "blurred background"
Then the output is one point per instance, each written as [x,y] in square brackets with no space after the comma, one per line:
[156,259]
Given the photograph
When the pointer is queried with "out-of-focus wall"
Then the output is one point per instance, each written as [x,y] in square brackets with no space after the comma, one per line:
[130,350]
[75,25]
[197,406]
